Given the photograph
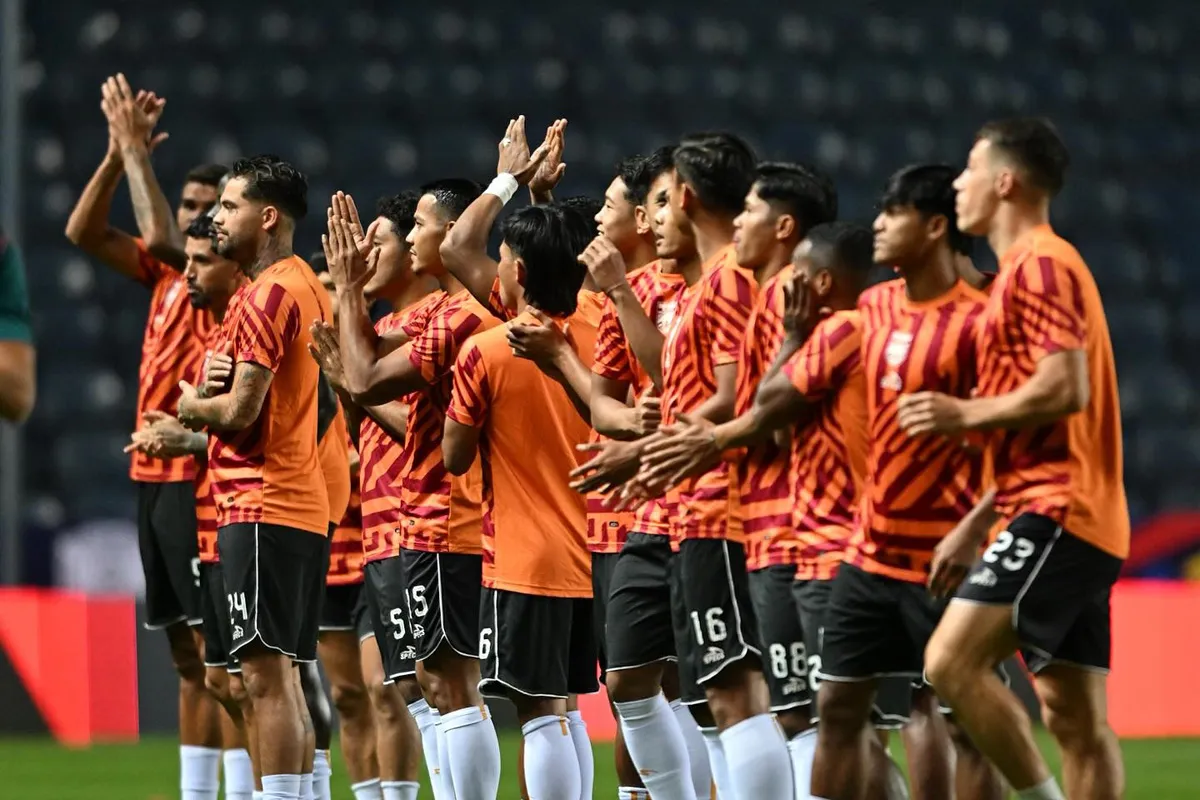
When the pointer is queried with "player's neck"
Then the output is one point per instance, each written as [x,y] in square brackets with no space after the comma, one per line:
[642,255]
[770,269]
[218,310]
[690,268]
[448,283]
[1014,220]
[968,272]
[274,249]
[932,279]
[712,235]
[406,294]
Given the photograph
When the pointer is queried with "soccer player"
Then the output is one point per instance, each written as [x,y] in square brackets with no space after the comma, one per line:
[436,561]
[212,283]
[18,381]
[401,714]
[536,638]
[172,349]
[271,503]
[1047,394]
[915,334]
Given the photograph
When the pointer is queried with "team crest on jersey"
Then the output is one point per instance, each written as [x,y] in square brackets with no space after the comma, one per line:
[895,353]
[664,315]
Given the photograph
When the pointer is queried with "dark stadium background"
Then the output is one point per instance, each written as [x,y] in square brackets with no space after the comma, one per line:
[377,97]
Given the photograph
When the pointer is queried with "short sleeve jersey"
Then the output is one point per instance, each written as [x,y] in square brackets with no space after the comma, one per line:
[763,470]
[269,472]
[334,456]
[658,293]
[707,333]
[534,523]
[917,488]
[829,454]
[379,468]
[1045,301]
[439,513]
[172,348]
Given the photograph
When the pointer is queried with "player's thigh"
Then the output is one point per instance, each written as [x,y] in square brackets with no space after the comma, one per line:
[603,566]
[525,645]
[582,655]
[387,605]
[215,619]
[638,623]
[785,652]
[1074,699]
[443,596]
[865,636]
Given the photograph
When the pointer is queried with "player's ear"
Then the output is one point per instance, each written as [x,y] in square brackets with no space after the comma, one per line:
[687,198]
[641,220]
[937,226]
[270,218]
[1005,182]
[822,283]
[785,227]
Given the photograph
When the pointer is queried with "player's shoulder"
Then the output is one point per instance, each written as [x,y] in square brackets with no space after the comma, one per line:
[1044,249]
[881,295]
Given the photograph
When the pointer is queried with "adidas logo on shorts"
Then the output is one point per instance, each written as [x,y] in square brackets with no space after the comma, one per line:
[984,577]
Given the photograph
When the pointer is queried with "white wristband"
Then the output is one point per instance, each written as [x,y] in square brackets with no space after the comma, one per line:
[503,186]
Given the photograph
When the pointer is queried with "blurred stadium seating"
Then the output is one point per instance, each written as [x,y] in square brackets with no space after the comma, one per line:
[375,97]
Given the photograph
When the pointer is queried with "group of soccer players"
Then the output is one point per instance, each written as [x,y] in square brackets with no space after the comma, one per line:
[674,435]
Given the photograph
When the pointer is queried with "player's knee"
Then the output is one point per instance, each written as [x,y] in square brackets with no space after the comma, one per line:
[841,719]
[794,722]
[237,689]
[1073,725]
[350,700]
[187,661]
[627,685]
[385,701]
[410,690]
[945,669]
[216,681]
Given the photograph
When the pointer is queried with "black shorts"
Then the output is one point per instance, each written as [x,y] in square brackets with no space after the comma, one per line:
[442,590]
[344,608]
[603,566]
[876,627]
[273,576]
[214,609]
[786,658]
[715,624]
[170,553]
[387,608]
[1059,587]
[893,696]
[536,646]
[637,622]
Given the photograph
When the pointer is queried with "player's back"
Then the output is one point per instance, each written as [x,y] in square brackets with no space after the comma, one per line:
[333,452]
[1046,301]
[534,523]
[270,471]
[917,488]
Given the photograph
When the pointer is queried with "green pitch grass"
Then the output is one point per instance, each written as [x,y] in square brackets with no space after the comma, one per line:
[38,769]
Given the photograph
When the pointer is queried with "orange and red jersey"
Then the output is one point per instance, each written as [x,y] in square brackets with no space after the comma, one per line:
[439,513]
[334,456]
[172,350]
[658,293]
[707,334]
[534,523]
[763,470]
[379,466]
[269,472]
[917,488]
[829,454]
[345,548]
[1045,301]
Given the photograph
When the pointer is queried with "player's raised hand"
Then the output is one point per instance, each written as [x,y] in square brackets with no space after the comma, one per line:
[218,371]
[801,309]
[515,158]
[327,352]
[344,208]
[604,263]
[685,449]
[131,116]
[551,170]
[345,253]
[931,412]
[614,463]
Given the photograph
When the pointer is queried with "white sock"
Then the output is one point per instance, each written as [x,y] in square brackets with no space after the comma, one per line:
[446,783]
[801,749]
[199,772]
[257,795]
[280,787]
[702,777]
[322,773]
[757,756]
[657,746]
[472,753]
[306,786]
[367,790]
[239,775]
[583,752]
[420,712]
[400,790]
[632,793]
[551,766]
[716,762]
[1046,790]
